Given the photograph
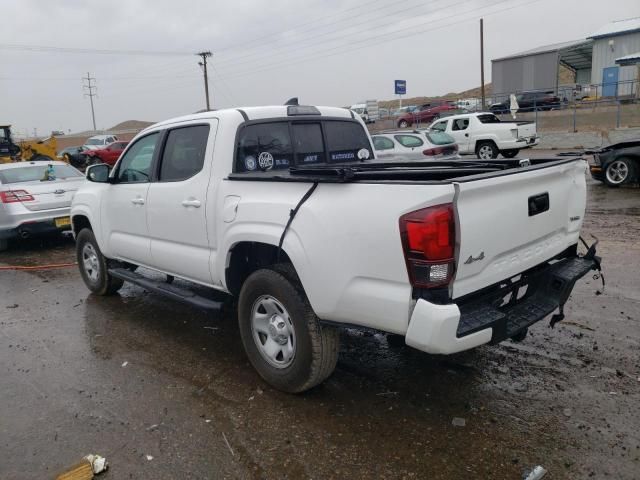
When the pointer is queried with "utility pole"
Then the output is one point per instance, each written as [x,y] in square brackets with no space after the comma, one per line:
[203,64]
[89,87]
[482,62]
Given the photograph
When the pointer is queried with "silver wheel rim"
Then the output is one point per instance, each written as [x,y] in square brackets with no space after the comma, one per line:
[617,172]
[273,332]
[485,152]
[90,262]
[403,124]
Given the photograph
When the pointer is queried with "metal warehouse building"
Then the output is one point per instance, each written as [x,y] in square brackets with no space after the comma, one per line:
[592,61]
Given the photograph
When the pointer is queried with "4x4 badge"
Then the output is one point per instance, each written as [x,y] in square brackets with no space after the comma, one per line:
[472,259]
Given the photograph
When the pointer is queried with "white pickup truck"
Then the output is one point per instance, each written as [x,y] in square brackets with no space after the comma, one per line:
[486,136]
[287,209]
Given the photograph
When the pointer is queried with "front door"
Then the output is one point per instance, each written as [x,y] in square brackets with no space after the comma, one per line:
[610,81]
[124,209]
[459,130]
[177,206]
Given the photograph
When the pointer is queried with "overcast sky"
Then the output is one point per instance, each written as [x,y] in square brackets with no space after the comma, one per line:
[327,52]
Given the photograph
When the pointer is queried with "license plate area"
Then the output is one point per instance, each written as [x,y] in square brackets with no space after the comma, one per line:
[62,222]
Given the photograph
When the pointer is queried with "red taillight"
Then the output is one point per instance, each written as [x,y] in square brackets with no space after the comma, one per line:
[428,240]
[431,152]
[13,196]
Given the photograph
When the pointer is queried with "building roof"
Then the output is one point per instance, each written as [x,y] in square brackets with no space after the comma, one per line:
[618,27]
[633,59]
[575,54]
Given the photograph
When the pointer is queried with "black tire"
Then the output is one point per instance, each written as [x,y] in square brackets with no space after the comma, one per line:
[316,345]
[403,124]
[96,279]
[510,153]
[487,149]
[41,158]
[619,172]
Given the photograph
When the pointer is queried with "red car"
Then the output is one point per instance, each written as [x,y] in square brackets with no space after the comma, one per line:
[426,113]
[108,154]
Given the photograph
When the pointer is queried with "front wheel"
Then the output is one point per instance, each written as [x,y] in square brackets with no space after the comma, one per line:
[284,340]
[93,265]
[510,153]
[487,151]
[618,172]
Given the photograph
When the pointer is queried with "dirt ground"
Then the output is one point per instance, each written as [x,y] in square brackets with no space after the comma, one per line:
[164,391]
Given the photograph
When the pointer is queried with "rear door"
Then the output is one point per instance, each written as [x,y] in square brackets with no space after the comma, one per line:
[513,222]
[177,206]
[124,205]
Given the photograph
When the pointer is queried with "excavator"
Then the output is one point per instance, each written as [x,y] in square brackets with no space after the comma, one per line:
[25,151]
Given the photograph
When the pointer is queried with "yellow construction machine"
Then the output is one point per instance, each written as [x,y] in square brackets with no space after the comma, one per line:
[25,151]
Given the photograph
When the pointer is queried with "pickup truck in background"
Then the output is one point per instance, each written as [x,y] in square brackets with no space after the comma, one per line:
[486,136]
[287,209]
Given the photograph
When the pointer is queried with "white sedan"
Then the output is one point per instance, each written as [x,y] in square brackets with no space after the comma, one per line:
[423,145]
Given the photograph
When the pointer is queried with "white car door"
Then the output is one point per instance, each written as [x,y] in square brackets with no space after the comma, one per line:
[459,129]
[124,209]
[177,207]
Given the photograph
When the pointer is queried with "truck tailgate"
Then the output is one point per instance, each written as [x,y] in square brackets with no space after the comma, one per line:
[526,130]
[510,223]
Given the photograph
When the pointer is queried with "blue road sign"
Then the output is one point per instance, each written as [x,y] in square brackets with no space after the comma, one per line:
[401,87]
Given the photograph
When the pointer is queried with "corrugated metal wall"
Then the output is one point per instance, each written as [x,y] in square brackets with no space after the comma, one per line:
[534,72]
[604,56]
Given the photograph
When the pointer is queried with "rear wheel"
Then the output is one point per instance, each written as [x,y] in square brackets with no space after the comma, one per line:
[487,151]
[510,153]
[403,124]
[94,266]
[281,334]
[620,171]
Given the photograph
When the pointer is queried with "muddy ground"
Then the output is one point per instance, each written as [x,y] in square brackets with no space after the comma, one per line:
[164,391]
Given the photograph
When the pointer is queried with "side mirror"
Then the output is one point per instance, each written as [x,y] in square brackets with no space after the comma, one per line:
[98,173]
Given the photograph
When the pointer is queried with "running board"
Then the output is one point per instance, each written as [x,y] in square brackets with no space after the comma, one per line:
[166,289]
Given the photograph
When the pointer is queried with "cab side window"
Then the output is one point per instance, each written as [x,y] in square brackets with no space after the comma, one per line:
[135,166]
[460,124]
[409,141]
[184,151]
[382,143]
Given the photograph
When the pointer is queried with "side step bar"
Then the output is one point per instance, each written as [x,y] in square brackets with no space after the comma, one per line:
[168,290]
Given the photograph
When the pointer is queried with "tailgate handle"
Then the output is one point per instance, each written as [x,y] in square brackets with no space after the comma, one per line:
[538,204]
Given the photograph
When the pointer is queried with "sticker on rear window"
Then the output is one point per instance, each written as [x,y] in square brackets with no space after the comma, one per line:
[343,156]
[363,154]
[265,161]
[250,163]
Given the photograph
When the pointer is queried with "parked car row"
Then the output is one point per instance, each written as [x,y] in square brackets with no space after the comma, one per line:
[82,156]
[529,102]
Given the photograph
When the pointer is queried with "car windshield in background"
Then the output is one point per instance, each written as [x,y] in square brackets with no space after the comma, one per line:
[94,141]
[439,138]
[280,145]
[488,118]
[37,172]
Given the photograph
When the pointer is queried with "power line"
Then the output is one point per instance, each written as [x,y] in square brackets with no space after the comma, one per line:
[340,49]
[89,87]
[369,27]
[92,51]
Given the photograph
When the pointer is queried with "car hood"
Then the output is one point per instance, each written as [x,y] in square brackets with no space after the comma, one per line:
[615,146]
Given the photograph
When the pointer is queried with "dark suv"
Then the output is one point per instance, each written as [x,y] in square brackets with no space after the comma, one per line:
[529,101]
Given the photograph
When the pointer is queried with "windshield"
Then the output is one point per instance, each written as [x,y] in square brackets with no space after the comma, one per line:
[34,173]
[95,141]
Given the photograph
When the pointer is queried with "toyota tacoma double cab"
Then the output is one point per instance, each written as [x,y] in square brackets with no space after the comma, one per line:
[287,209]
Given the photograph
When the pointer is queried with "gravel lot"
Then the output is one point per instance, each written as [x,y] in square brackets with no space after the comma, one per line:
[136,375]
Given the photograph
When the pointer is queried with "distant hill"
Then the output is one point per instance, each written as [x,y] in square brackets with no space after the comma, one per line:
[473,93]
[131,125]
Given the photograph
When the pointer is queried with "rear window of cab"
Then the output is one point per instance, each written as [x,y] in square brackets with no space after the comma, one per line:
[279,145]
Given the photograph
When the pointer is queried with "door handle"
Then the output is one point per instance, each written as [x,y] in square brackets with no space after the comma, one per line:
[191,203]
[137,201]
[466,134]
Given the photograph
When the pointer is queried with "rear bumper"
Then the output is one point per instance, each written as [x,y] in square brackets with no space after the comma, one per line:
[34,228]
[484,317]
